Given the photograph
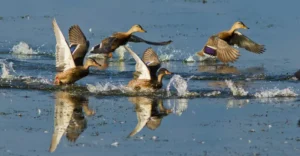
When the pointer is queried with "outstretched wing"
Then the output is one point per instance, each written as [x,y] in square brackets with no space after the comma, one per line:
[223,51]
[64,60]
[107,45]
[136,39]
[244,42]
[78,44]
[151,59]
[140,66]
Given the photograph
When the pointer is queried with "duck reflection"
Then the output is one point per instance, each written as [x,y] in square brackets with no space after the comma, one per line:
[219,69]
[68,117]
[150,113]
[228,69]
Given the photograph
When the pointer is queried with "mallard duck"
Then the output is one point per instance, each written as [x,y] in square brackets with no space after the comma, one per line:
[110,44]
[220,45]
[71,71]
[149,112]
[146,69]
[69,118]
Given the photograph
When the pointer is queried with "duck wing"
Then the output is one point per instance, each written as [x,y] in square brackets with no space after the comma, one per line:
[64,60]
[151,59]
[244,42]
[110,44]
[78,44]
[140,66]
[136,39]
[143,107]
[218,47]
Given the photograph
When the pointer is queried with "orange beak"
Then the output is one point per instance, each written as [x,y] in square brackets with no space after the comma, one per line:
[56,81]
[168,73]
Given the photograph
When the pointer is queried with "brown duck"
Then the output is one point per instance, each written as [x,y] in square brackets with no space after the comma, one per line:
[220,45]
[146,69]
[110,44]
[70,67]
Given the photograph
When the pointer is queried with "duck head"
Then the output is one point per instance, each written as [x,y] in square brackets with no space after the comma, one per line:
[164,71]
[91,62]
[239,25]
[137,28]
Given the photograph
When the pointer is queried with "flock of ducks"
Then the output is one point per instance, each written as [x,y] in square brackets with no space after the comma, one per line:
[148,75]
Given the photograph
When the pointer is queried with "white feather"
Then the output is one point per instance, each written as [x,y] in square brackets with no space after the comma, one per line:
[64,59]
[140,66]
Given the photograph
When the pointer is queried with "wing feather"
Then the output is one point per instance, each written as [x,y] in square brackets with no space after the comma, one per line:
[225,52]
[140,66]
[78,39]
[244,42]
[64,60]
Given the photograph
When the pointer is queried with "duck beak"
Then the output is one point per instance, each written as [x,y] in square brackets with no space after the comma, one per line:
[144,31]
[247,27]
[168,73]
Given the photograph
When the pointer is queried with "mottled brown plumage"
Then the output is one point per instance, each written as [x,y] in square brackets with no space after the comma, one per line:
[110,44]
[72,75]
[223,41]
[68,71]
[144,79]
[78,44]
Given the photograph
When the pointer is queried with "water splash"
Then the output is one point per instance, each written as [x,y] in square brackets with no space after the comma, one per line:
[213,93]
[287,92]
[179,84]
[166,53]
[7,69]
[104,87]
[121,52]
[23,49]
[236,91]
[190,59]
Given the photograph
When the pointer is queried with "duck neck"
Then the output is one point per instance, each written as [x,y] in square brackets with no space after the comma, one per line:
[159,78]
[87,66]
[232,29]
[129,32]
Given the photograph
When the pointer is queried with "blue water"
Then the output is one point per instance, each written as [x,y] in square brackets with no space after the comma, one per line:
[265,122]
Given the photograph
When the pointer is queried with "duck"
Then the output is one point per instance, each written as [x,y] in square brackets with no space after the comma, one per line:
[69,71]
[110,44]
[145,77]
[220,45]
[149,112]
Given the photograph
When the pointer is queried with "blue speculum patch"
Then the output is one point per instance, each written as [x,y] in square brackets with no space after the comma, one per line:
[72,48]
[210,51]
